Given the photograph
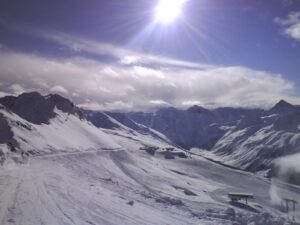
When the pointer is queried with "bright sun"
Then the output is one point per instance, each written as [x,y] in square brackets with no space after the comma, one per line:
[169,10]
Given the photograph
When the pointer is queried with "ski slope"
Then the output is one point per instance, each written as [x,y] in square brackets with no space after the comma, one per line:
[121,186]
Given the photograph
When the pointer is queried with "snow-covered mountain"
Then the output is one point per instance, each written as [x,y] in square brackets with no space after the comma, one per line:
[32,124]
[256,141]
[64,165]
[243,138]
[39,109]
[194,127]
[250,139]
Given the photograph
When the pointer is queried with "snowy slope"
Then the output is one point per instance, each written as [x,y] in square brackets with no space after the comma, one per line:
[257,141]
[32,124]
[120,121]
[131,187]
[64,132]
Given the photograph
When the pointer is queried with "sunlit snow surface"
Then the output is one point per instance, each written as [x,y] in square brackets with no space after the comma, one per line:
[111,181]
[122,187]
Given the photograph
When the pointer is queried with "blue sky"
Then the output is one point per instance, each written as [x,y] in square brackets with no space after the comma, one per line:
[240,49]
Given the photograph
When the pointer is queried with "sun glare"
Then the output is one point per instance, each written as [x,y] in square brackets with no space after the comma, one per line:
[168,11]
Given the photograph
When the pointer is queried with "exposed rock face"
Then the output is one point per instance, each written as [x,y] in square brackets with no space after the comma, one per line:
[38,109]
[65,105]
[32,107]
[283,108]
[6,134]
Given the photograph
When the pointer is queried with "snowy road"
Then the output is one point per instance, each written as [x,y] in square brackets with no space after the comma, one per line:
[121,187]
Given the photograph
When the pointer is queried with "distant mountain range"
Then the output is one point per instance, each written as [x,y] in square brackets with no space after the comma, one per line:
[250,139]
[194,127]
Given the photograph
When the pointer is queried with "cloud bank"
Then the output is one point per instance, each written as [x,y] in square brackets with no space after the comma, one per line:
[135,81]
[291,25]
[289,162]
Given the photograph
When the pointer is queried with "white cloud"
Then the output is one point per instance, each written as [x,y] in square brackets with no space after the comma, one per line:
[189,103]
[93,84]
[16,89]
[124,56]
[288,165]
[291,25]
[3,94]
[112,106]
[159,103]
[129,60]
[59,89]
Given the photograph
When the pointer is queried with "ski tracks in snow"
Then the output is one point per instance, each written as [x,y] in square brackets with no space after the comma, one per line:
[92,188]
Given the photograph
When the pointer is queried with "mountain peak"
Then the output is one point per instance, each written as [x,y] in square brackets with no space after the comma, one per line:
[37,108]
[198,109]
[30,94]
[283,107]
[283,102]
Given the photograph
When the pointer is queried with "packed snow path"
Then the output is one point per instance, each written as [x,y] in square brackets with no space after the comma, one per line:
[122,187]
